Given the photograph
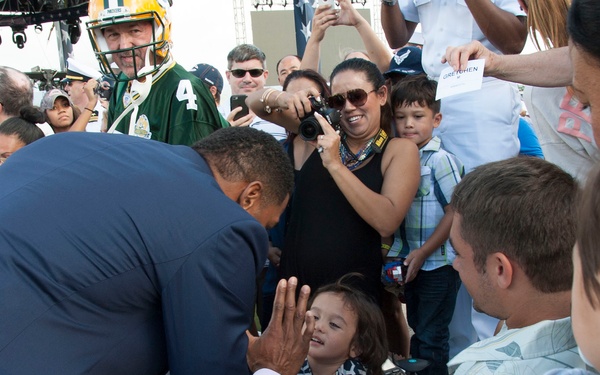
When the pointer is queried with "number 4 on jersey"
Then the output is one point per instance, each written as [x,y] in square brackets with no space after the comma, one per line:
[185,92]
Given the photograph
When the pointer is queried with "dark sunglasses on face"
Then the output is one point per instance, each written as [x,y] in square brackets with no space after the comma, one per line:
[358,97]
[239,73]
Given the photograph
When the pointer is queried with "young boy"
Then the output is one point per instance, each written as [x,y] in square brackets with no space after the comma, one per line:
[431,284]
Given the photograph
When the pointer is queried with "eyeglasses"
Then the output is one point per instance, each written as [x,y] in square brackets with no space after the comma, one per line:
[239,73]
[357,97]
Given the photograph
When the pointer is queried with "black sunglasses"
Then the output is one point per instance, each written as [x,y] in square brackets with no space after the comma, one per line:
[358,97]
[239,73]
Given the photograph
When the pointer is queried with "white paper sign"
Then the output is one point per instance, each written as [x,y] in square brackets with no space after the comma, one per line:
[453,82]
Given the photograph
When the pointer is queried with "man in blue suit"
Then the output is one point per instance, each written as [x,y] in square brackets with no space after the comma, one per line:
[120,255]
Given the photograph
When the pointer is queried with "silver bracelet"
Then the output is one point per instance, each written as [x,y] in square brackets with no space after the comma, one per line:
[389,3]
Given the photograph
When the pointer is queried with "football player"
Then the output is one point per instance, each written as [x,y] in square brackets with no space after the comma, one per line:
[154,97]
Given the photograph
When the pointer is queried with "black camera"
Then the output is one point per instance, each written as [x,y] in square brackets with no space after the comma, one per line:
[310,128]
[105,88]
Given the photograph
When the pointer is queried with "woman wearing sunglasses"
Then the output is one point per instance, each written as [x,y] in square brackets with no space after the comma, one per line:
[354,184]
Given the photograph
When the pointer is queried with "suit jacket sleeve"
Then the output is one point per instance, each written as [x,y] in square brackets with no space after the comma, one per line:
[208,304]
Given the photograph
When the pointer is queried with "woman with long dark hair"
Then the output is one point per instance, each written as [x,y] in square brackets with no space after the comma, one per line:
[354,183]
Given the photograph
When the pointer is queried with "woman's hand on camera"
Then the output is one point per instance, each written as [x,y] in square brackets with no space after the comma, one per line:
[297,102]
[328,144]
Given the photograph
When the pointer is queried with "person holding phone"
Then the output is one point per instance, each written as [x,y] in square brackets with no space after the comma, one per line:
[247,72]
[238,103]
[343,13]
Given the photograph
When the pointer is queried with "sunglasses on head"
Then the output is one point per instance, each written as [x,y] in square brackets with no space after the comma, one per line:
[239,73]
[357,97]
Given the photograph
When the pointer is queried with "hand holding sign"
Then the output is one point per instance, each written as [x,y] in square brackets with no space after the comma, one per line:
[454,82]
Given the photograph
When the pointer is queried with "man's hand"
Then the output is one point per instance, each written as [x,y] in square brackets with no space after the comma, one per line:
[89,89]
[284,345]
[242,121]
[457,57]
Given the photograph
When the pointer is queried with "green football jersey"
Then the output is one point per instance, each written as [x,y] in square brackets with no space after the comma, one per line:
[179,109]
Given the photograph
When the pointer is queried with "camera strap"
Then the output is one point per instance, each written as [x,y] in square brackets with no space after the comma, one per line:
[380,140]
[374,145]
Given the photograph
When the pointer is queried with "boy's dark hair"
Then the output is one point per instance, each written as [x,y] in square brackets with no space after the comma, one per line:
[416,89]
[246,154]
[524,208]
[370,336]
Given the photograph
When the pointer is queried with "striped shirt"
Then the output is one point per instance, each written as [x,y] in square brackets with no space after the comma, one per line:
[441,171]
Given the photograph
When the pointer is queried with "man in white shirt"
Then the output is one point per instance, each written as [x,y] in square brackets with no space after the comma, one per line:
[78,76]
[480,126]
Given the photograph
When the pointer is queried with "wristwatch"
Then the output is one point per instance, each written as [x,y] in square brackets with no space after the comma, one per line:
[389,3]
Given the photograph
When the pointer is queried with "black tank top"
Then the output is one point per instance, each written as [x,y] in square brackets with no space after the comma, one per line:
[326,238]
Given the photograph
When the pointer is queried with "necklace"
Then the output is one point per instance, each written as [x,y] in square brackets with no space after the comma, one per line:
[351,160]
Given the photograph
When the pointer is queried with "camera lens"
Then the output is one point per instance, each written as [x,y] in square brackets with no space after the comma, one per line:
[310,128]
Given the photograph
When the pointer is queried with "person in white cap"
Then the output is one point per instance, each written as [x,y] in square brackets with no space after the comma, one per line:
[79,76]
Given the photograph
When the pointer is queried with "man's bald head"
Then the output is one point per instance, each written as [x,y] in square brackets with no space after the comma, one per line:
[16,92]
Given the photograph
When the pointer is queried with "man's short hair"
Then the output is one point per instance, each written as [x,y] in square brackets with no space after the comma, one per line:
[416,89]
[281,59]
[246,154]
[524,208]
[246,52]
[16,90]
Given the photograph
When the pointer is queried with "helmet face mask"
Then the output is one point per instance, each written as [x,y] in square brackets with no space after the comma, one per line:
[119,13]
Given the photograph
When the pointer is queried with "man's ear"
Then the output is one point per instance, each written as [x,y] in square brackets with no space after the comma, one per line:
[501,269]
[251,195]
[213,90]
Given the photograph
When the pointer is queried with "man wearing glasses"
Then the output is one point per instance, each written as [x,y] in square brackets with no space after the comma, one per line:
[247,72]
[154,97]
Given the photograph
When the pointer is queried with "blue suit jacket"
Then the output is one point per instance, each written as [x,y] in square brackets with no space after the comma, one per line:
[122,256]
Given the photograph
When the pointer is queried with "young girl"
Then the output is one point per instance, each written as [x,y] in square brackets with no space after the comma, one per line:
[62,115]
[349,336]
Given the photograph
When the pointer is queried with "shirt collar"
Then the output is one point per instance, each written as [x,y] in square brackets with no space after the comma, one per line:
[434,145]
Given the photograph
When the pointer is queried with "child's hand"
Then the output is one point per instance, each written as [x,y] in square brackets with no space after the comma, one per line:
[414,261]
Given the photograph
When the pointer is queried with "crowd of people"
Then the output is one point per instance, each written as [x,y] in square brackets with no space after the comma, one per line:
[320,227]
